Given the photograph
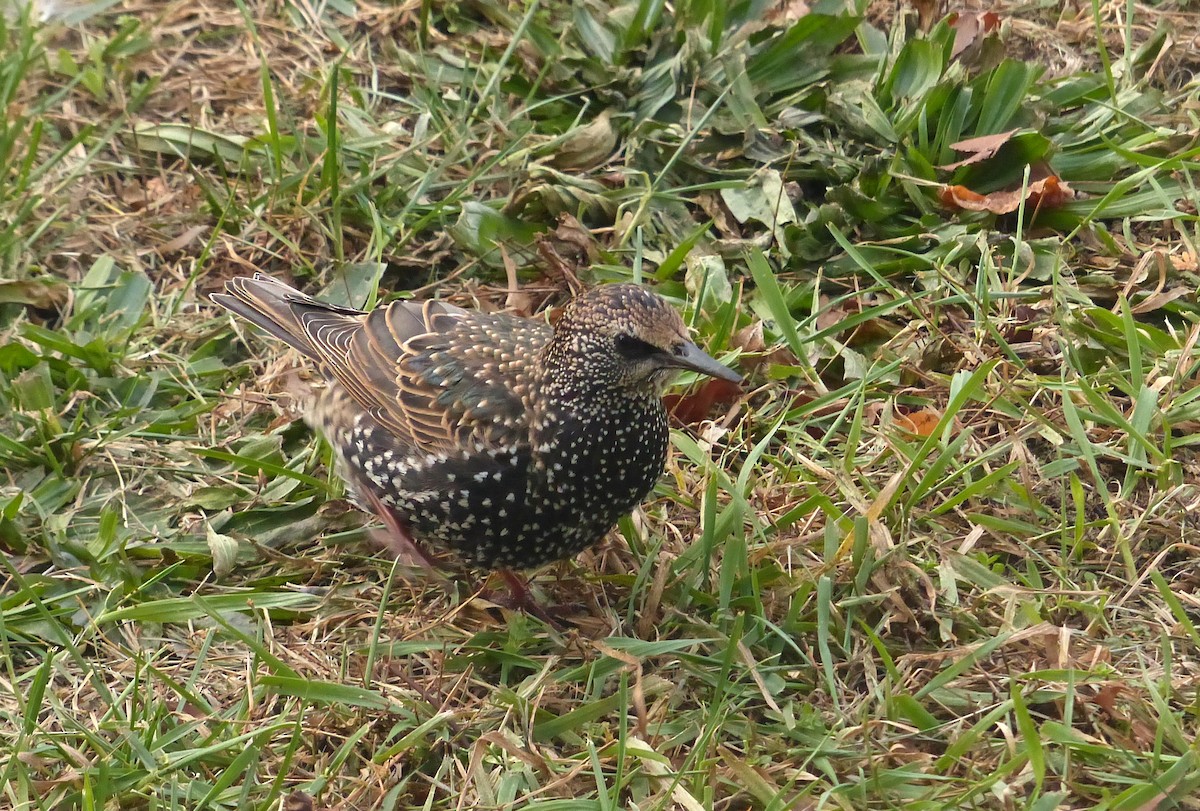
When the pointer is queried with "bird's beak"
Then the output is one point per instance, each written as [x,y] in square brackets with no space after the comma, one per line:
[694,359]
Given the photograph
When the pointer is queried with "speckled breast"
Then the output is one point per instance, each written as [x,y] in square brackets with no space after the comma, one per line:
[525,507]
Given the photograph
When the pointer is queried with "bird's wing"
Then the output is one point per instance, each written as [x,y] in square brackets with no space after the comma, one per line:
[435,375]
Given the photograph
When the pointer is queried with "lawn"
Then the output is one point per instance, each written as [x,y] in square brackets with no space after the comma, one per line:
[938,552]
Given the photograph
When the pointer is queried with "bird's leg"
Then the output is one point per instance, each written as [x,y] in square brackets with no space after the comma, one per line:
[520,598]
[398,538]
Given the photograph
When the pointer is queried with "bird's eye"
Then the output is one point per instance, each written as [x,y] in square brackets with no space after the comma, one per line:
[632,348]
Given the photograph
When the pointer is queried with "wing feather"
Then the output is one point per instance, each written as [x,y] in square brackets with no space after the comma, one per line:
[440,378]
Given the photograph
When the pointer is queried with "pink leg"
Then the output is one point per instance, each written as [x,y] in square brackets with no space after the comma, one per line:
[522,599]
[398,538]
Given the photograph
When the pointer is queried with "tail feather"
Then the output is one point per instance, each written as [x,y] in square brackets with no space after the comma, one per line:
[281,310]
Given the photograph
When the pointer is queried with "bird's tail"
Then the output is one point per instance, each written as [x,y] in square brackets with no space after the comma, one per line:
[281,310]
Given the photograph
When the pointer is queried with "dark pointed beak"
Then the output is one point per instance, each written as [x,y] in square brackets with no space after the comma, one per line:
[691,357]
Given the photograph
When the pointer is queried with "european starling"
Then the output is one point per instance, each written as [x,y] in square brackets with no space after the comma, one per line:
[506,440]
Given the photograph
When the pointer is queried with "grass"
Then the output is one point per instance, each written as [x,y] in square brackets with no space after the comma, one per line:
[939,553]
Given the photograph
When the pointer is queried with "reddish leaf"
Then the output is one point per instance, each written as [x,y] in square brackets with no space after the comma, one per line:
[693,408]
[1106,699]
[969,27]
[960,197]
[1049,192]
[921,423]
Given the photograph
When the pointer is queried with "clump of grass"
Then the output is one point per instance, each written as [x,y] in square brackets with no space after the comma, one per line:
[938,554]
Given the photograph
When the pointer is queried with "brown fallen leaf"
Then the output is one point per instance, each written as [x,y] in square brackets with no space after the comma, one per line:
[830,315]
[970,26]
[180,242]
[588,146]
[862,333]
[755,353]
[1049,192]
[40,294]
[928,13]
[1106,699]
[568,249]
[787,12]
[298,801]
[571,231]
[1160,299]
[919,423]
[694,407]
[750,338]
[157,190]
[979,149]
[1185,261]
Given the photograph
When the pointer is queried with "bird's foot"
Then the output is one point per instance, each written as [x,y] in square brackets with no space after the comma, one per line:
[518,597]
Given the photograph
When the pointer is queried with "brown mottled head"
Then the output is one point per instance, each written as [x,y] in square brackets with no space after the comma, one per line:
[634,334]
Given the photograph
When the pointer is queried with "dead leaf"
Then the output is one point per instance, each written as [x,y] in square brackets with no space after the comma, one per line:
[587,147]
[571,232]
[716,210]
[919,423]
[1106,699]
[41,294]
[862,333]
[638,695]
[1156,301]
[522,753]
[829,316]
[693,408]
[1143,734]
[787,12]
[755,354]
[133,195]
[298,801]
[517,301]
[557,264]
[979,149]
[969,27]
[749,339]
[1049,192]
[1185,261]
[781,355]
[180,242]
[928,13]
[157,190]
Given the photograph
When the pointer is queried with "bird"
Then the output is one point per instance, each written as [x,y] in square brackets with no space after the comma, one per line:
[508,441]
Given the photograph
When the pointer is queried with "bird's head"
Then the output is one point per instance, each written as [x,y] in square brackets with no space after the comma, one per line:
[635,335]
